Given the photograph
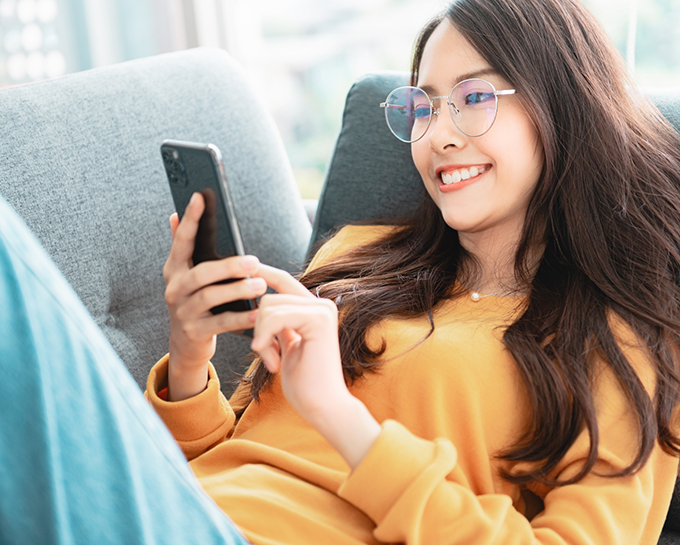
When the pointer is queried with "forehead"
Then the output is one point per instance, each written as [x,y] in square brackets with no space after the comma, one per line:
[449,58]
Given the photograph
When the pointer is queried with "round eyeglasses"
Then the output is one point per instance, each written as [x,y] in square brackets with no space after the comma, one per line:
[473,104]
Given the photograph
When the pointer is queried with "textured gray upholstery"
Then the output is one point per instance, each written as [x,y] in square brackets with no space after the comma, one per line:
[371,175]
[81,164]
[668,102]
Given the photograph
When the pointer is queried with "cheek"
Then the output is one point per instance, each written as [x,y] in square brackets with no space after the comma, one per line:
[420,155]
[420,152]
[521,155]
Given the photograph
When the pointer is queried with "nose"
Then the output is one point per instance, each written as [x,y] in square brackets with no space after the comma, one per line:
[443,132]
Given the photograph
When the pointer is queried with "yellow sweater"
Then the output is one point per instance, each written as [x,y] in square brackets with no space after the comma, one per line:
[447,406]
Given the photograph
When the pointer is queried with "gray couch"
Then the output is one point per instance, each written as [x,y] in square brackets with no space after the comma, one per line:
[81,163]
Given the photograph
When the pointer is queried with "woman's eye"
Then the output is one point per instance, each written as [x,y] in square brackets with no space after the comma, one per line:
[421,112]
[478,97]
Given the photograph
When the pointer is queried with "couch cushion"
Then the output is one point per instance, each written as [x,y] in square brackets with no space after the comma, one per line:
[81,164]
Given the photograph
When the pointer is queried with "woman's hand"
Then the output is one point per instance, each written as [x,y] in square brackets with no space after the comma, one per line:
[191,292]
[296,335]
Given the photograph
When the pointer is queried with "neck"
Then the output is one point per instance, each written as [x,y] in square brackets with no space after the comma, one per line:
[495,256]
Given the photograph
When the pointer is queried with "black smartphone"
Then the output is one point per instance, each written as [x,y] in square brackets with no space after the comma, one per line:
[197,168]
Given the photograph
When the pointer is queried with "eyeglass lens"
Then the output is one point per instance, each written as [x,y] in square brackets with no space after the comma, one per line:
[473,109]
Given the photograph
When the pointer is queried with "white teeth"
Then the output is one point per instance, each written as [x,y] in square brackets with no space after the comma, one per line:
[462,174]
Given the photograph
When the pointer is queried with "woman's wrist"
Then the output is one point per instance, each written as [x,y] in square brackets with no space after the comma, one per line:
[349,427]
[185,383]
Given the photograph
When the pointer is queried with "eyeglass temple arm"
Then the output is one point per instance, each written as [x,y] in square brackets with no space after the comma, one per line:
[505,92]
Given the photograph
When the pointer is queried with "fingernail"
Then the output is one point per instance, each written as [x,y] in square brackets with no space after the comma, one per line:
[192,200]
[257,284]
[249,262]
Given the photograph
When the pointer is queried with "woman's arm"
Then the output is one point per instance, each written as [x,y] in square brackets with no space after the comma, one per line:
[296,335]
[183,387]
[416,493]
[197,423]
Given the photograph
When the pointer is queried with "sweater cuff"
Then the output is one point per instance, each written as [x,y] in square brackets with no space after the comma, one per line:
[393,464]
[205,418]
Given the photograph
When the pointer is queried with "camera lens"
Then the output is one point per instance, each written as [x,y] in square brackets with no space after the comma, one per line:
[174,167]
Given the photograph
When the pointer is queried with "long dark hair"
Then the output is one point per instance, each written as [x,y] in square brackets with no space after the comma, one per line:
[606,208]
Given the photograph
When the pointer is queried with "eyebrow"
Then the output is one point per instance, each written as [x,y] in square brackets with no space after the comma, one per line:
[470,75]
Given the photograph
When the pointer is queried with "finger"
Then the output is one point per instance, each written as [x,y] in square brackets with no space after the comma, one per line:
[215,324]
[288,340]
[211,272]
[218,294]
[282,281]
[305,320]
[183,241]
[271,358]
[174,222]
[300,320]
[279,299]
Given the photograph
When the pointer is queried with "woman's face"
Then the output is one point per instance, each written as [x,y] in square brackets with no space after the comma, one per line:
[509,156]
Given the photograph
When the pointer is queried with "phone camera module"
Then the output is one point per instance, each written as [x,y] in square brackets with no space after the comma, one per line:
[174,167]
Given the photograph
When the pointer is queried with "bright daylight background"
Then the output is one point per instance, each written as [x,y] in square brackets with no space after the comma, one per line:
[303,55]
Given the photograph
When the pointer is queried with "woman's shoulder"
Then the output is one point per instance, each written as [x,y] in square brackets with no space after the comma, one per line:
[351,236]
[346,239]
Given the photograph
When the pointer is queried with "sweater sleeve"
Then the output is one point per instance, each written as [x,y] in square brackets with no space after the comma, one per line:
[416,493]
[197,423]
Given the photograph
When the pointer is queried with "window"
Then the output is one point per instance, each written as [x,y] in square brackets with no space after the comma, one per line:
[303,55]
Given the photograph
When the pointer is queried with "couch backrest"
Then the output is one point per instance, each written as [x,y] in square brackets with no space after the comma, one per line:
[370,173]
[81,163]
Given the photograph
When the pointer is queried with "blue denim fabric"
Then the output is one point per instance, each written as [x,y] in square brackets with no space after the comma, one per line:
[83,457]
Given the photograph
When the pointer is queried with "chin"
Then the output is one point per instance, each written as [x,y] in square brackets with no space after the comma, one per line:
[457,225]
[457,221]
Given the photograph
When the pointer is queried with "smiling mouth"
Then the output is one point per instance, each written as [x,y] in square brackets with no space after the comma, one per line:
[462,174]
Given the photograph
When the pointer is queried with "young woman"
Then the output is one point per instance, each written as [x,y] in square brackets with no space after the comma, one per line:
[500,368]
